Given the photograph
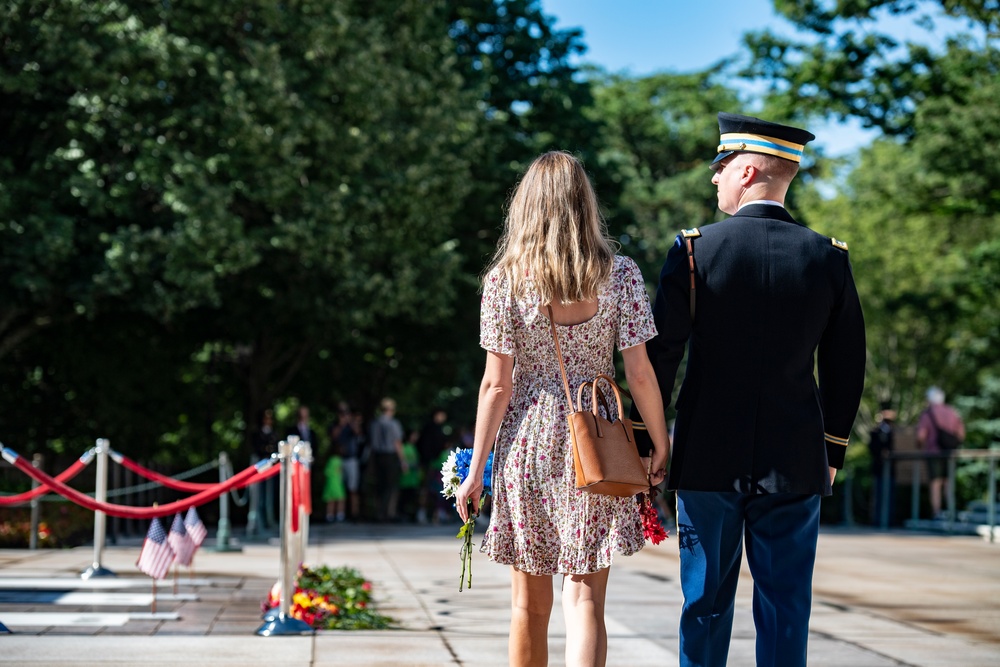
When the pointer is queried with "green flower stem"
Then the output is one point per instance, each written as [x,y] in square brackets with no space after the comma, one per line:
[465,534]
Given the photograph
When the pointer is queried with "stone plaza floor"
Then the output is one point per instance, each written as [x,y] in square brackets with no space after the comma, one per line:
[881,599]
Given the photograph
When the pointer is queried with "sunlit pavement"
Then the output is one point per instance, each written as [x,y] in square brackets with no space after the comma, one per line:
[881,599]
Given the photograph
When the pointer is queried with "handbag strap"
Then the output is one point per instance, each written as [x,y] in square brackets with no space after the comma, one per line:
[562,367]
[597,395]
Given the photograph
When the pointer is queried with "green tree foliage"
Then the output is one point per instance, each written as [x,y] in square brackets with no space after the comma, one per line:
[206,208]
[262,178]
[895,253]
[659,138]
[847,68]
[919,209]
[528,98]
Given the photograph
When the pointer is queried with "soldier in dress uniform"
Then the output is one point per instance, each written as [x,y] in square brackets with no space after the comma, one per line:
[760,302]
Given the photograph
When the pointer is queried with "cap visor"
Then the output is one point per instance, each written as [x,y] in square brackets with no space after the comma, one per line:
[719,158]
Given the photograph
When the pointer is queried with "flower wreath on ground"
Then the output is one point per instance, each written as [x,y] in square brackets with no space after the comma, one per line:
[453,473]
[331,599]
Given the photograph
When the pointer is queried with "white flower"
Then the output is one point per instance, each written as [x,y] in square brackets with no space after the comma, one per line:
[449,476]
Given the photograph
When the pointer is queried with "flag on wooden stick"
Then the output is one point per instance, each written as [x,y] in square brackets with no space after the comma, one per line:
[195,528]
[181,542]
[157,554]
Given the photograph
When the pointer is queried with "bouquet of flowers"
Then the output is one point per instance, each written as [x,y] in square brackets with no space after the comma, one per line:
[652,527]
[331,599]
[453,473]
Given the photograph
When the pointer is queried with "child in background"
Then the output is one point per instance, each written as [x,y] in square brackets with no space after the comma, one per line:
[334,492]
[409,481]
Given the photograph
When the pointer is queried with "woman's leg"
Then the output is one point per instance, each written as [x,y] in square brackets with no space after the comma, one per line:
[531,606]
[583,606]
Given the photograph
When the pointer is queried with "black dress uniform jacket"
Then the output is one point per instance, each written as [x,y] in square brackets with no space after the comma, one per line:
[776,307]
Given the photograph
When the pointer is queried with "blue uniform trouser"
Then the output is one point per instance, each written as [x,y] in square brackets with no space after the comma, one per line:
[780,531]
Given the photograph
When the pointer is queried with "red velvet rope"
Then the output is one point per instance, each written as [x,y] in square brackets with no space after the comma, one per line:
[66,475]
[169,482]
[250,475]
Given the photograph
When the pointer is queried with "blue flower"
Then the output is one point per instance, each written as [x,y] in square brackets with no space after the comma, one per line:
[463,459]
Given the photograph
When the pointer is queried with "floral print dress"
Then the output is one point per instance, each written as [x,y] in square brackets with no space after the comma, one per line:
[540,523]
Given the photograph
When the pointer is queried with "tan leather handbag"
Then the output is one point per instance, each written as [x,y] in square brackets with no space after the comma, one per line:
[604,452]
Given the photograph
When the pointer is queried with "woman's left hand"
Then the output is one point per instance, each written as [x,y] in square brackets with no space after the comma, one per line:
[658,464]
[657,476]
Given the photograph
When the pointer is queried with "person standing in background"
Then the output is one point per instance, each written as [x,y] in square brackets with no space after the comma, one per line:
[345,433]
[880,445]
[303,428]
[938,417]
[430,443]
[411,480]
[386,437]
[265,443]
[334,492]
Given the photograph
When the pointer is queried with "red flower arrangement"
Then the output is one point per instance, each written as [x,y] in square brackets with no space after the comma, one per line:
[331,599]
[652,528]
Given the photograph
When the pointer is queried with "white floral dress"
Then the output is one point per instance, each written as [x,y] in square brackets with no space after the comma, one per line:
[540,522]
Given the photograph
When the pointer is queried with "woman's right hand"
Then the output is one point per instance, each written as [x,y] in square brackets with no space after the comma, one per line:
[469,491]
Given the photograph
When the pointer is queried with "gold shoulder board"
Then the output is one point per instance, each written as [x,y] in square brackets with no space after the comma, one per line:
[839,244]
[690,233]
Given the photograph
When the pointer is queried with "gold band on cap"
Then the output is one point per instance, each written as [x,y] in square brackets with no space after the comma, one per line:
[759,143]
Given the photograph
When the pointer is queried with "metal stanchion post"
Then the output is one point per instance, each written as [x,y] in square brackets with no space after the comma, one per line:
[130,499]
[950,525]
[848,495]
[282,622]
[885,493]
[224,532]
[253,514]
[100,518]
[992,506]
[915,492]
[305,460]
[116,522]
[295,538]
[269,520]
[36,505]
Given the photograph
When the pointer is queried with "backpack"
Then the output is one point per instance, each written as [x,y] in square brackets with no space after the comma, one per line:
[946,440]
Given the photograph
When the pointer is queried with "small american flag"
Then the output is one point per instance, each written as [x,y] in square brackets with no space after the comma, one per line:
[181,542]
[156,555]
[195,528]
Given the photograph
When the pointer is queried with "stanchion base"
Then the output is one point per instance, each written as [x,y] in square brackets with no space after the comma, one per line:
[285,625]
[271,614]
[227,548]
[95,571]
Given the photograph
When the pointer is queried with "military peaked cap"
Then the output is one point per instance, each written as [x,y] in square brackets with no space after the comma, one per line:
[753,135]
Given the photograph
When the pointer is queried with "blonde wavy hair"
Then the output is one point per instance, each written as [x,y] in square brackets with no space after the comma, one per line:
[554,235]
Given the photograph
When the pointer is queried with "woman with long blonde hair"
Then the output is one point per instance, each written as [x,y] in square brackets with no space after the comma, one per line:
[555,253]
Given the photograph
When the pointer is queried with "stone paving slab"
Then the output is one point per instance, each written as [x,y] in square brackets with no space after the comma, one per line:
[60,650]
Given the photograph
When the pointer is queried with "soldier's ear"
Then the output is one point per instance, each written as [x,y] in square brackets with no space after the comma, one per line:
[749,173]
